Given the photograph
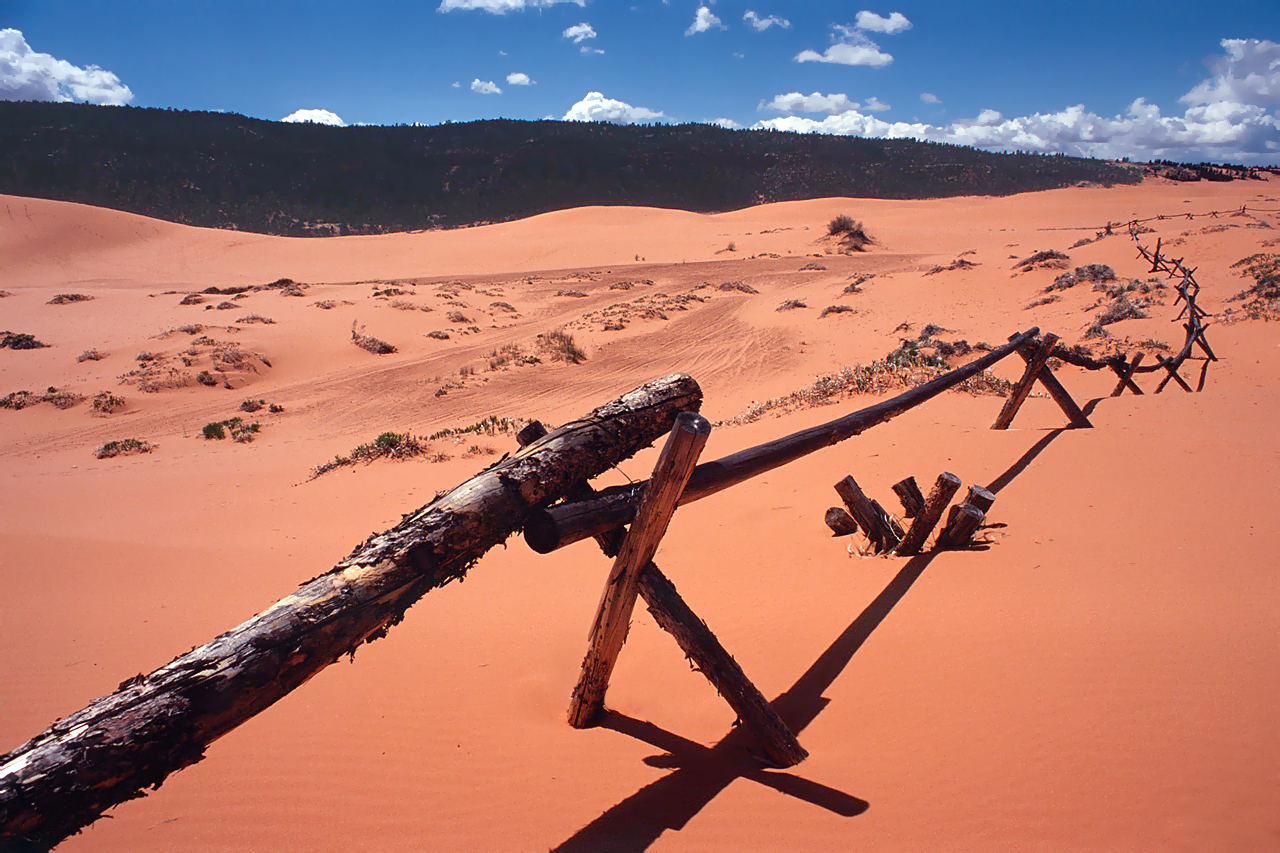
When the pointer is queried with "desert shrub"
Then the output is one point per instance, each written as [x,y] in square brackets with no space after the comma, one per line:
[492,425]
[192,299]
[402,305]
[66,298]
[913,354]
[388,445]
[1152,344]
[834,309]
[577,294]
[235,427]
[255,318]
[931,330]
[62,399]
[1089,272]
[1120,309]
[739,286]
[438,335]
[369,342]
[812,266]
[1048,259]
[91,355]
[215,430]
[562,347]
[204,377]
[275,408]
[326,304]
[190,329]
[841,224]
[106,403]
[19,400]
[1262,300]
[252,405]
[791,304]
[124,447]
[511,354]
[225,306]
[1043,300]
[19,340]
[503,306]
[850,231]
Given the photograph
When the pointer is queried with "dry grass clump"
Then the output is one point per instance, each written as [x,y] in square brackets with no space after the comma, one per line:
[1049,259]
[457,317]
[67,298]
[225,306]
[369,343]
[503,306]
[19,400]
[851,233]
[834,309]
[438,335]
[192,299]
[91,355]
[813,266]
[510,354]
[1262,300]
[957,264]
[1089,272]
[388,445]
[404,305]
[577,294]
[1120,309]
[741,287]
[106,403]
[791,305]
[255,318]
[492,425]
[124,447]
[19,340]
[562,347]
[1043,300]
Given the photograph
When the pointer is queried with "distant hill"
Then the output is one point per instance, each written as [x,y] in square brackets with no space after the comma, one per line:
[228,171]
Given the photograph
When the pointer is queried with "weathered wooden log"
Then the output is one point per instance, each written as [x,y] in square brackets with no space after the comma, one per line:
[564,524]
[1169,365]
[613,616]
[1059,394]
[908,492]
[1035,366]
[934,505]
[1125,372]
[881,531]
[63,779]
[711,659]
[962,524]
[1196,330]
[840,522]
[981,497]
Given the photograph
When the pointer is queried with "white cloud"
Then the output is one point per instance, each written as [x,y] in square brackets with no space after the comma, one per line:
[596,107]
[457,85]
[930,98]
[315,117]
[794,102]
[588,50]
[895,23]
[519,78]
[1248,74]
[726,123]
[29,76]
[761,24]
[703,21]
[485,87]
[579,33]
[501,7]
[851,48]
[873,104]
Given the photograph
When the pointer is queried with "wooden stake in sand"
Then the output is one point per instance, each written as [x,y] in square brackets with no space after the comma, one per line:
[613,616]
[910,495]
[66,777]
[1059,394]
[881,530]
[1035,365]
[939,496]
[840,522]
[1126,372]
[1171,366]
[965,519]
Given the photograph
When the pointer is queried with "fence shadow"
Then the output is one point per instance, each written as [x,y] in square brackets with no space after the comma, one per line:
[703,772]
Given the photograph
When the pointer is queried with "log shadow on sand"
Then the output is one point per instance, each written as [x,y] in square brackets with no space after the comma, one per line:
[703,772]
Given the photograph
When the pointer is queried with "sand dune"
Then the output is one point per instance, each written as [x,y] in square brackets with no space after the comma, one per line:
[1101,676]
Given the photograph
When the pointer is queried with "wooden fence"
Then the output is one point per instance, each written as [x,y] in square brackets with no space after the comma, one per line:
[122,744]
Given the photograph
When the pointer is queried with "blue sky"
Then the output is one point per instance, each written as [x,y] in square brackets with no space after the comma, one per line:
[1142,79]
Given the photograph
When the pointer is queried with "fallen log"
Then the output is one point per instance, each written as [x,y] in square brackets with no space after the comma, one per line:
[66,777]
[556,526]
[840,522]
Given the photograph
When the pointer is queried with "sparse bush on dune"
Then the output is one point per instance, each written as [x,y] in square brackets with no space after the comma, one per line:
[1089,272]
[255,318]
[562,347]
[91,355]
[235,427]
[19,340]
[791,304]
[834,309]
[369,343]
[1048,259]
[19,400]
[106,403]
[123,447]
[852,234]
[68,298]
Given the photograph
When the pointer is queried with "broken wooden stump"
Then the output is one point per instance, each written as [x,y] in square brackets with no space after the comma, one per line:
[880,529]
[981,497]
[934,505]
[1126,372]
[1035,366]
[613,616]
[962,524]
[66,777]
[701,646]
[910,496]
[840,522]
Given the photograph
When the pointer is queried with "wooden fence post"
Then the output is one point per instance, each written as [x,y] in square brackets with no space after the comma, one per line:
[1059,394]
[1171,366]
[1126,372]
[963,523]
[613,617]
[883,533]
[1035,365]
[928,518]
[840,522]
[909,494]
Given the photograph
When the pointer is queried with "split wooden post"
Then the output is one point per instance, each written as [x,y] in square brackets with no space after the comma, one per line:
[613,617]
[1035,366]
[963,523]
[840,522]
[1059,394]
[1171,366]
[1195,330]
[939,497]
[701,646]
[881,530]
[909,494]
[1126,372]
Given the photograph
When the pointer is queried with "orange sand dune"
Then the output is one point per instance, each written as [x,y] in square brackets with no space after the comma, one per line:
[1101,676]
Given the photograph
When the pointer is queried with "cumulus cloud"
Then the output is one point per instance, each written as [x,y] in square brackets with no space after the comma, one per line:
[851,48]
[500,7]
[519,78]
[726,123]
[930,98]
[1249,73]
[596,107]
[29,76]
[485,87]
[703,21]
[579,33]
[315,117]
[794,102]
[873,104]
[895,23]
[588,50]
[760,24]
